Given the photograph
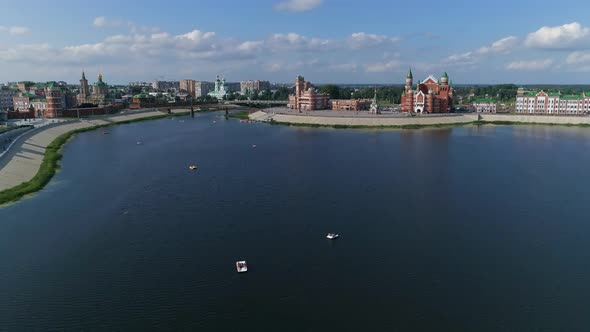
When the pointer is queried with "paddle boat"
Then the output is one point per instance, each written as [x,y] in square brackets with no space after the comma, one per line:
[241,266]
[332,236]
[192,167]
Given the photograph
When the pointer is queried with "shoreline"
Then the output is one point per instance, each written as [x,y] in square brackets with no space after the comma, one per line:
[52,153]
[455,120]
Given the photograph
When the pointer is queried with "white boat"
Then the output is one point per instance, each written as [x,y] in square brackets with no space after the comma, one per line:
[332,236]
[241,266]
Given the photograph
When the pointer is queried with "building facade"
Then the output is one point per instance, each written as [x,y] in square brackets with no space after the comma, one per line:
[306,98]
[188,86]
[483,105]
[202,88]
[6,94]
[165,85]
[221,89]
[350,104]
[542,102]
[429,96]
[97,94]
[49,104]
[249,86]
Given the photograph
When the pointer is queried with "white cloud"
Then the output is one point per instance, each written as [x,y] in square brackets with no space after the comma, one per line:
[578,58]
[298,5]
[530,65]
[565,36]
[359,40]
[502,46]
[383,66]
[296,42]
[15,30]
[102,21]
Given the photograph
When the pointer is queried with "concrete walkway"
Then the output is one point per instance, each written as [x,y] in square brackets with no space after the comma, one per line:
[22,161]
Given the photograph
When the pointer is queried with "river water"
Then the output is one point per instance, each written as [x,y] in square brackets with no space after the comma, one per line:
[462,229]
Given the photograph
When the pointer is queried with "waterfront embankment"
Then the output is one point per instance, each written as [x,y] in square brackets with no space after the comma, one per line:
[32,160]
[415,121]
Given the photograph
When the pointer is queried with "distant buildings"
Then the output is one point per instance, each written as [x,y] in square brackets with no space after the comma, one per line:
[188,86]
[221,88]
[98,95]
[203,88]
[551,103]
[306,98]
[429,96]
[250,86]
[166,85]
[483,105]
[39,100]
[6,94]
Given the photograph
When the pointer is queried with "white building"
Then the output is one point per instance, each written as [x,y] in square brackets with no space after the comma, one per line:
[551,103]
[483,105]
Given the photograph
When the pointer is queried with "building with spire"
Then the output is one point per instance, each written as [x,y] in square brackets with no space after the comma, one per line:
[98,95]
[374,108]
[428,96]
[84,94]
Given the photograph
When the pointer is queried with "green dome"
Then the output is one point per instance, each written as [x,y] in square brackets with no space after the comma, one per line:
[445,75]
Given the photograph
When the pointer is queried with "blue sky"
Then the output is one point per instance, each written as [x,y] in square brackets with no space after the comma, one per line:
[327,41]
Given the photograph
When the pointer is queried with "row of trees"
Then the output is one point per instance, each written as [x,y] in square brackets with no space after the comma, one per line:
[281,93]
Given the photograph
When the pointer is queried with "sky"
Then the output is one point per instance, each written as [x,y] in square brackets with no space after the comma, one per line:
[327,41]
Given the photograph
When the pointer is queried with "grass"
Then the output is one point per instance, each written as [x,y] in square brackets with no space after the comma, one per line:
[50,163]
[239,115]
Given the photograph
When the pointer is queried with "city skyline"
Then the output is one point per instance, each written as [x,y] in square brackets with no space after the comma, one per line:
[277,40]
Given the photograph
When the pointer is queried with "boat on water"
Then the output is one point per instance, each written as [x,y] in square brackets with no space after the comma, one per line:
[332,236]
[241,266]
[254,145]
[192,167]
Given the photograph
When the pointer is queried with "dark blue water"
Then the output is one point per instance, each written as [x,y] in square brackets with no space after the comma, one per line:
[462,229]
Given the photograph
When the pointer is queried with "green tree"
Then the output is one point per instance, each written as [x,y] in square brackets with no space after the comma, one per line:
[332,90]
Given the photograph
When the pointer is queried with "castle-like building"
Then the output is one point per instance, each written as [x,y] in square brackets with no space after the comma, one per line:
[99,94]
[429,96]
[306,98]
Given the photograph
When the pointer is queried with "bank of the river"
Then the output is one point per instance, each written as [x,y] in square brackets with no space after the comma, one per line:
[416,122]
[30,164]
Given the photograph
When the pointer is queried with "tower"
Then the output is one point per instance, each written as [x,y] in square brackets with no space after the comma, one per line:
[53,96]
[84,90]
[409,80]
[445,79]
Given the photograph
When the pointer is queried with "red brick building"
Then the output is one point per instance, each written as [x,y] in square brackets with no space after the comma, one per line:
[429,96]
[306,98]
[350,104]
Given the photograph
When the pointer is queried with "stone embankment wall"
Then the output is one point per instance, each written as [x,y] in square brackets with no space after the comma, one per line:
[547,119]
[417,120]
[368,121]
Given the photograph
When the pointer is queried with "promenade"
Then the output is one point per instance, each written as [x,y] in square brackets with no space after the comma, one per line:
[363,119]
[22,161]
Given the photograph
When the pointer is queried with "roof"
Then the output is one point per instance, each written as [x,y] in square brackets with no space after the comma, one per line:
[410,74]
[37,99]
[572,97]
[484,100]
[28,94]
[445,75]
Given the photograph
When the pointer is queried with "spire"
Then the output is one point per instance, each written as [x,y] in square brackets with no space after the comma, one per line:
[100,77]
[410,74]
[451,83]
[83,75]
[445,75]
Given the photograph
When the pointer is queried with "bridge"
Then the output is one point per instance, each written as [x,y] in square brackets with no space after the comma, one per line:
[259,103]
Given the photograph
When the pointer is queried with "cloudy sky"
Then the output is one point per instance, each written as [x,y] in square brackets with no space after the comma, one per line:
[338,41]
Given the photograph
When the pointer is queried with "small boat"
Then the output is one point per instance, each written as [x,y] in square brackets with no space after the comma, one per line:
[192,167]
[241,266]
[332,236]
[254,145]
[138,143]
[105,132]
